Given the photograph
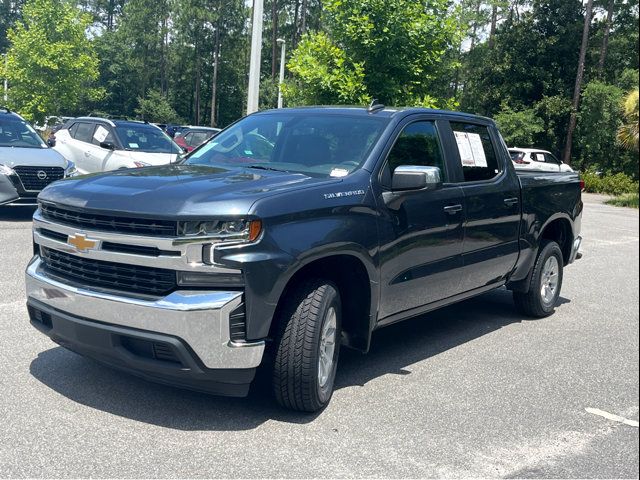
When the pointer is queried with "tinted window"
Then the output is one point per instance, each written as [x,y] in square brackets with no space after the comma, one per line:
[477,153]
[516,155]
[196,138]
[551,159]
[419,145]
[84,132]
[15,132]
[145,138]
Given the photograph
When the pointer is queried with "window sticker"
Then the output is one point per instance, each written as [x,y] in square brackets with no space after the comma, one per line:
[466,155]
[134,145]
[477,150]
[100,134]
[540,157]
[471,149]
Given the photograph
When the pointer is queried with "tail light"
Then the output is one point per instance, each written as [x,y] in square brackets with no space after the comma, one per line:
[582,185]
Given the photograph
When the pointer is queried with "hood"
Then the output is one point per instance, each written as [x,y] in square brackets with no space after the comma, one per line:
[37,157]
[172,191]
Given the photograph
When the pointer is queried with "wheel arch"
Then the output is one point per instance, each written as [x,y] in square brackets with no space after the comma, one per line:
[353,276]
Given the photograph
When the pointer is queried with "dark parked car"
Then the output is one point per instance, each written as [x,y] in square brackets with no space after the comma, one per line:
[193,137]
[291,233]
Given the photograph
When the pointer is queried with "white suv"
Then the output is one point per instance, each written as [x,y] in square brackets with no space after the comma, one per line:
[99,144]
[536,159]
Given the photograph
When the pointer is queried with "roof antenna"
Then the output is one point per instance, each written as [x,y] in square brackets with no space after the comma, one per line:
[375,106]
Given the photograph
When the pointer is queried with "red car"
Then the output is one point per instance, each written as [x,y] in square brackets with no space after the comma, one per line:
[192,137]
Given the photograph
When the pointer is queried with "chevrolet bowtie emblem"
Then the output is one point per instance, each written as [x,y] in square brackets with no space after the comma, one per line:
[81,242]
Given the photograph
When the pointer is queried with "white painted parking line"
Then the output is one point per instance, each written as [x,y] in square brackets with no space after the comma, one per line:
[612,417]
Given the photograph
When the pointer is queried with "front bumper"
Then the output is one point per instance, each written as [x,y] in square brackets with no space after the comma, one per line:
[13,194]
[194,325]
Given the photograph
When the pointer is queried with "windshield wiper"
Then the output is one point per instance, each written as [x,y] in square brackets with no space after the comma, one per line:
[262,167]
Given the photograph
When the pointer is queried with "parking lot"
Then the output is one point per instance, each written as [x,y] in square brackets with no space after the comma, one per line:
[473,390]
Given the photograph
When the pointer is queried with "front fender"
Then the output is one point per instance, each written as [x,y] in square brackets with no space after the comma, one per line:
[289,246]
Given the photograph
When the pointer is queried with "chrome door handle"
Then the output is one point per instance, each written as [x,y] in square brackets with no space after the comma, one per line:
[453,209]
[509,202]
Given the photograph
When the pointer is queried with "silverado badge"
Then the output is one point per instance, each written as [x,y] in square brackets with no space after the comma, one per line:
[81,242]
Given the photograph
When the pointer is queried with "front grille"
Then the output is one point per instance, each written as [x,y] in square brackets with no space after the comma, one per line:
[109,223]
[36,178]
[130,279]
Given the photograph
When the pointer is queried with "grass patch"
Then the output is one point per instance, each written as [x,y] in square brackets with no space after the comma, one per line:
[627,200]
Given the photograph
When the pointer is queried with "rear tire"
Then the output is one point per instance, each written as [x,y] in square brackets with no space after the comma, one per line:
[307,346]
[546,283]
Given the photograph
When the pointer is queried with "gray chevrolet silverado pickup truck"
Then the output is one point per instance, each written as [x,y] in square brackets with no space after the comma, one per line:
[289,234]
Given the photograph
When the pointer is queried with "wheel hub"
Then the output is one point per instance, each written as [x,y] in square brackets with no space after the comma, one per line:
[327,347]
[549,280]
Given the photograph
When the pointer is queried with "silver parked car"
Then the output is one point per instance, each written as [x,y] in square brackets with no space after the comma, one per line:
[27,164]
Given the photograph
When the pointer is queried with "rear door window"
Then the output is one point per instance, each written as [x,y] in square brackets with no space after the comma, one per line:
[477,152]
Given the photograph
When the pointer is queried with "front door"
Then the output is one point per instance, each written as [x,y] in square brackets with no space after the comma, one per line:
[421,231]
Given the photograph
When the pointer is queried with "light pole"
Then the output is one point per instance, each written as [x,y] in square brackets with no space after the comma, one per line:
[283,47]
[6,80]
[253,93]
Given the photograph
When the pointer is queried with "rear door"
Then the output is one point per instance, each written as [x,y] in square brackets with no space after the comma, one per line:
[420,231]
[492,200]
[80,144]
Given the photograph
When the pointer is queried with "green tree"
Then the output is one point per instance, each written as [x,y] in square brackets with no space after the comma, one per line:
[155,108]
[598,121]
[51,62]
[392,50]
[519,128]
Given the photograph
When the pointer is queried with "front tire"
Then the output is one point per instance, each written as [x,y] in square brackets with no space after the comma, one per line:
[546,283]
[307,346]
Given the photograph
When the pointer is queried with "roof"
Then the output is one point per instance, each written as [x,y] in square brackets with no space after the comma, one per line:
[117,123]
[388,112]
[529,150]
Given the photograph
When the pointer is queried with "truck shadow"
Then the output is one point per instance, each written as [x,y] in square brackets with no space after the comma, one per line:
[393,349]
[16,214]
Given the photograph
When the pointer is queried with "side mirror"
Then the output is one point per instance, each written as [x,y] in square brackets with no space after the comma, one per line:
[51,142]
[185,150]
[414,177]
[107,145]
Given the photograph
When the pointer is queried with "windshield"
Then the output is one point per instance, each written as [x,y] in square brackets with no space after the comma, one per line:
[311,143]
[18,133]
[145,138]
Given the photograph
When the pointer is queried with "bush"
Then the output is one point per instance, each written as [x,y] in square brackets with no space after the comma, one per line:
[628,200]
[609,184]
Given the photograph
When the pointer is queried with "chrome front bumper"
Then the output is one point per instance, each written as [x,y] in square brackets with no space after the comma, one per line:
[200,319]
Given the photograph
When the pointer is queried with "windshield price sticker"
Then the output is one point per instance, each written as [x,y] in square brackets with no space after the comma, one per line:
[100,134]
[470,149]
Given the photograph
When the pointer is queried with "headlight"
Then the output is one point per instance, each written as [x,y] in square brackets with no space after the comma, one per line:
[4,170]
[70,170]
[231,230]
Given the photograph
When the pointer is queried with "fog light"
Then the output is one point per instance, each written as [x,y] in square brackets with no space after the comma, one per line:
[206,279]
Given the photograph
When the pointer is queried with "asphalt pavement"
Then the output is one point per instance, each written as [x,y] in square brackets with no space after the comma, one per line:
[472,390]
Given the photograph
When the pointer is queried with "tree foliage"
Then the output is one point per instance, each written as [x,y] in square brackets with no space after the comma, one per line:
[519,127]
[51,62]
[391,50]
